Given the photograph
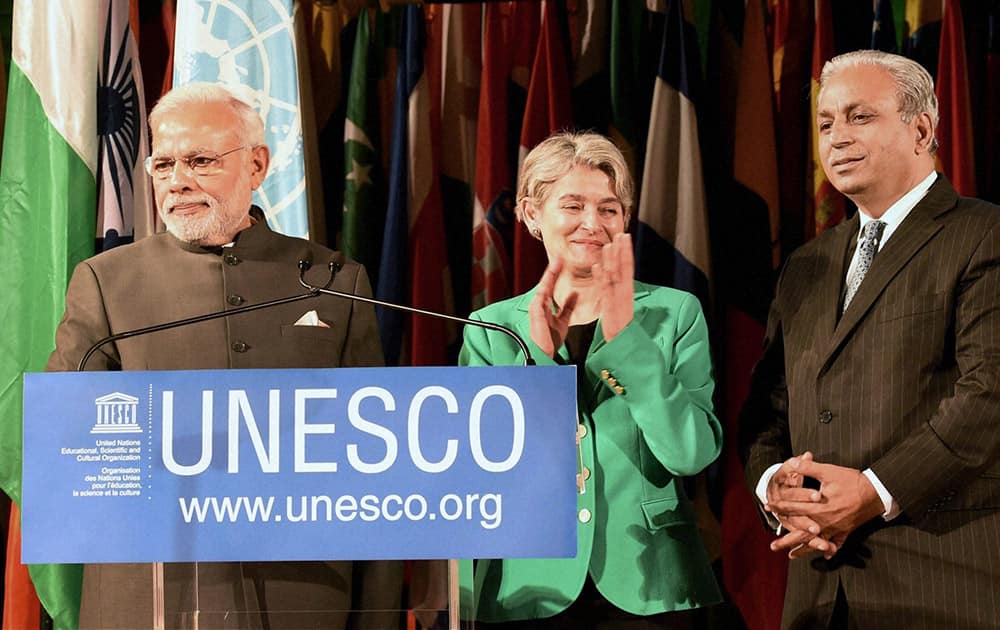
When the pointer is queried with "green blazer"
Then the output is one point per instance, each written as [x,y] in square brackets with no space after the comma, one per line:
[646,420]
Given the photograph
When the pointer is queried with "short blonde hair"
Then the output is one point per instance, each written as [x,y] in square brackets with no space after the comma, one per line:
[555,156]
[251,128]
[914,85]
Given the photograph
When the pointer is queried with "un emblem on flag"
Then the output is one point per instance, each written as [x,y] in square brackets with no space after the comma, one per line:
[249,47]
[117,413]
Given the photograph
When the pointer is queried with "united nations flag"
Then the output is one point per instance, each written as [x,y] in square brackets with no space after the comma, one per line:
[249,47]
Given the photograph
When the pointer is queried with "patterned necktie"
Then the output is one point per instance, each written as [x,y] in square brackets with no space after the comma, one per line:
[870,237]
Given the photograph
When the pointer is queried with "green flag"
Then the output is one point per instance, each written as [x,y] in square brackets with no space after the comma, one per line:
[364,181]
[47,221]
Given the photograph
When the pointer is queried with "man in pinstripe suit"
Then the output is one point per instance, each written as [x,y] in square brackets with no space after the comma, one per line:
[872,429]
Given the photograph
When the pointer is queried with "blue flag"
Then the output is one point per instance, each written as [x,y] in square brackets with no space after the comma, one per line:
[392,280]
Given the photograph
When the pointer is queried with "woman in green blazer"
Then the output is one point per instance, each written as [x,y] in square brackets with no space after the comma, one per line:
[644,405]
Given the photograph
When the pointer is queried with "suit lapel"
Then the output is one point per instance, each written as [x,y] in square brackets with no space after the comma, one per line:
[831,287]
[915,231]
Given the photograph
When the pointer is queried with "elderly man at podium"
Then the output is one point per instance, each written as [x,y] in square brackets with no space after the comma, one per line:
[208,156]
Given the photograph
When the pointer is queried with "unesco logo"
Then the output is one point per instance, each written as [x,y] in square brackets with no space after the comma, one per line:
[116,413]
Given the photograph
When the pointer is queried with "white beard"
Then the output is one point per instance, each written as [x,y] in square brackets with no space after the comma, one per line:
[220,223]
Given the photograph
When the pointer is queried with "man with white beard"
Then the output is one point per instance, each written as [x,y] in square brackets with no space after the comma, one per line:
[208,156]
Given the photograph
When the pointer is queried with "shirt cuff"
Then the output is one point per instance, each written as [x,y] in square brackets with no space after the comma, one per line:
[761,492]
[891,507]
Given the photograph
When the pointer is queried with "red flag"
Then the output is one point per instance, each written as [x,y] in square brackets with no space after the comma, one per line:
[548,109]
[791,69]
[755,152]
[828,204]
[754,576]
[430,278]
[955,155]
[493,216]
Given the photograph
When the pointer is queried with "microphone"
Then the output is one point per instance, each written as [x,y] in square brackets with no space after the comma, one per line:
[334,267]
[312,292]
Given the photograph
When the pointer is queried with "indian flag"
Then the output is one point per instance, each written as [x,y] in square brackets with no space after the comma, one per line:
[47,219]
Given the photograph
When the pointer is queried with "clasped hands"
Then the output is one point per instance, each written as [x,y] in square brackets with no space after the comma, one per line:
[612,280]
[819,520]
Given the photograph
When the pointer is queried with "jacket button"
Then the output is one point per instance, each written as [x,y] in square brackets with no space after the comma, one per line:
[586,473]
[825,416]
[605,374]
[239,346]
[581,431]
[584,515]
[231,259]
[235,300]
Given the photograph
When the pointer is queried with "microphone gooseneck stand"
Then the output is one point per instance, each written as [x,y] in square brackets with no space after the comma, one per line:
[312,291]
[304,266]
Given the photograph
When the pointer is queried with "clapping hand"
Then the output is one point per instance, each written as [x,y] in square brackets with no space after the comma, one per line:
[613,276]
[548,325]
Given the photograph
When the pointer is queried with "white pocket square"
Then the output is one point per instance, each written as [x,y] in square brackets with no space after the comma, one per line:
[311,319]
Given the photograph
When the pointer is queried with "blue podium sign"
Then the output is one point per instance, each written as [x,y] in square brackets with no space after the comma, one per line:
[333,464]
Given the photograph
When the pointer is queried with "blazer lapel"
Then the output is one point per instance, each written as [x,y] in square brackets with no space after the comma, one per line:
[918,228]
[829,295]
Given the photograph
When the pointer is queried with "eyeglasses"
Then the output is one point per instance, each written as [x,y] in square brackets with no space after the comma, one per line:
[204,163]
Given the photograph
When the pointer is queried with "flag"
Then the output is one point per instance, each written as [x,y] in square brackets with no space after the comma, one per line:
[3,93]
[923,32]
[829,206]
[755,164]
[459,31]
[328,39]
[793,34]
[884,27]
[955,156]
[633,60]
[991,180]
[671,244]
[493,211]
[21,608]
[156,48]
[753,575]
[250,48]
[124,201]
[589,41]
[414,267]
[547,110]
[47,221]
[364,180]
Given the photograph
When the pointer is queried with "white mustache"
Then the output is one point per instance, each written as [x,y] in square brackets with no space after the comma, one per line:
[172,202]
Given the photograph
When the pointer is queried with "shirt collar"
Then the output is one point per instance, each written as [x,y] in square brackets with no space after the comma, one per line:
[898,211]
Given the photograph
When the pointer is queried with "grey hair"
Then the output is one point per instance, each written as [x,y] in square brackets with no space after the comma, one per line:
[914,85]
[251,126]
[555,156]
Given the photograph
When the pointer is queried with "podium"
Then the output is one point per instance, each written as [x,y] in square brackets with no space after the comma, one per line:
[289,498]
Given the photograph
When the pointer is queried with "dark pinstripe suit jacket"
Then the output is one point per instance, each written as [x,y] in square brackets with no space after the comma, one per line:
[907,382]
